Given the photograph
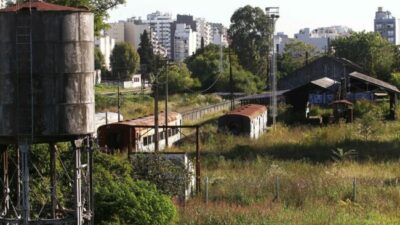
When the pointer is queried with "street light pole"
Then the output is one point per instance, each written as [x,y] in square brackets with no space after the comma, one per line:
[273,15]
[155,84]
[166,106]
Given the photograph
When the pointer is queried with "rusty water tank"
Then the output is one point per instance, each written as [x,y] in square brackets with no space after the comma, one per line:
[46,73]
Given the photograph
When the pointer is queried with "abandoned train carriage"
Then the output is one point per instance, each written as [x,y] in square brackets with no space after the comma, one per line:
[129,136]
[248,120]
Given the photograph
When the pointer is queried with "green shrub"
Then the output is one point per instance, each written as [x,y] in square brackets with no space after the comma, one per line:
[120,200]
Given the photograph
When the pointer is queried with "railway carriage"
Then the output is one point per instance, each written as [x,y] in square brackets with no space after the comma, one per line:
[129,136]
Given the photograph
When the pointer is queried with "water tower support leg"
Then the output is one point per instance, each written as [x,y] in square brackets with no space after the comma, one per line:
[6,188]
[78,184]
[24,160]
[53,179]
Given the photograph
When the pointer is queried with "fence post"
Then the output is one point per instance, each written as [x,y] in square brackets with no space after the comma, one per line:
[277,187]
[354,190]
[206,189]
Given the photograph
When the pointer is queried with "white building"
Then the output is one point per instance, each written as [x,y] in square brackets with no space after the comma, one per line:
[116,31]
[281,40]
[203,32]
[130,31]
[185,42]
[322,36]
[160,24]
[219,34]
[2,4]
[106,44]
[387,25]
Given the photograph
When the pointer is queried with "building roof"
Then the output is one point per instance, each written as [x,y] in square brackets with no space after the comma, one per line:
[374,81]
[324,82]
[149,120]
[39,5]
[251,110]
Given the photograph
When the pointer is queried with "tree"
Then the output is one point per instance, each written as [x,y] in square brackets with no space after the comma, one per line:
[179,79]
[146,54]
[295,56]
[121,200]
[249,33]
[99,60]
[372,52]
[170,176]
[206,66]
[98,7]
[124,60]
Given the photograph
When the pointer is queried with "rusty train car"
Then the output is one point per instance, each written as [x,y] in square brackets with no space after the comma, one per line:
[129,136]
[248,120]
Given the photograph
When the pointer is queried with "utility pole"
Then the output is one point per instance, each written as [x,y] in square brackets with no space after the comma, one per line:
[155,84]
[231,79]
[118,100]
[272,16]
[166,106]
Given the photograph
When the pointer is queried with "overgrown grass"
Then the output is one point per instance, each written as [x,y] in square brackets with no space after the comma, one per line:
[314,189]
[137,105]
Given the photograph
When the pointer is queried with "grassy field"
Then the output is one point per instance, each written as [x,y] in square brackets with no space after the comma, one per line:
[137,105]
[314,188]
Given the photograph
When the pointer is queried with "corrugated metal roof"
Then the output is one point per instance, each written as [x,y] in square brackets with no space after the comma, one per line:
[41,6]
[324,82]
[375,81]
[251,110]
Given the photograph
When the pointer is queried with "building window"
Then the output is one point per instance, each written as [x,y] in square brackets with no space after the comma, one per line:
[391,40]
[379,26]
[391,33]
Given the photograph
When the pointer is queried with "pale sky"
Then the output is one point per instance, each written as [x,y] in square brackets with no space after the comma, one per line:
[295,14]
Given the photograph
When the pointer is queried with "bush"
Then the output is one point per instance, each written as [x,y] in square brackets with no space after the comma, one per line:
[376,110]
[121,200]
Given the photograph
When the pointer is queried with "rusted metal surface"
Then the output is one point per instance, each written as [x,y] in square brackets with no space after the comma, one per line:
[61,88]
[251,110]
[127,135]
[41,6]
[374,81]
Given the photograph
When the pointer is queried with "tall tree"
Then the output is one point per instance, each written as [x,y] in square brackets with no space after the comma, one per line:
[295,56]
[98,7]
[249,33]
[146,53]
[374,53]
[99,60]
[180,79]
[124,60]
[206,66]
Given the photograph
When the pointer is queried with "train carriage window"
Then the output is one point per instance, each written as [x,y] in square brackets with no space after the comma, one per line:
[145,141]
[162,134]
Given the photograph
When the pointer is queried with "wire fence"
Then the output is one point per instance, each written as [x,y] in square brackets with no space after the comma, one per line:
[278,188]
[199,113]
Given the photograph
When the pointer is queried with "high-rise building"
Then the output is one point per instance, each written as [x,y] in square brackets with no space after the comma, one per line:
[106,44]
[130,31]
[281,40]
[203,32]
[116,31]
[219,34]
[321,37]
[387,25]
[185,42]
[160,24]
[2,4]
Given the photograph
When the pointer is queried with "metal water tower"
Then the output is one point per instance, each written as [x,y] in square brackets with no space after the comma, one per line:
[46,96]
